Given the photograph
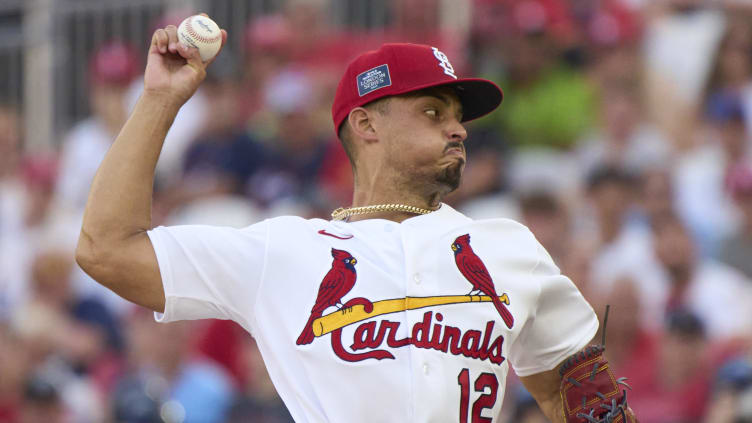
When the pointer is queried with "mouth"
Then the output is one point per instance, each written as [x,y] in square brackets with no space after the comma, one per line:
[455,152]
[455,149]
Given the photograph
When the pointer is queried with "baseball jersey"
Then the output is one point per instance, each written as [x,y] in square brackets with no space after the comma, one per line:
[379,321]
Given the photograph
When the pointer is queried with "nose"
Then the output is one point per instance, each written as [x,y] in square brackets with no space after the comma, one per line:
[456,131]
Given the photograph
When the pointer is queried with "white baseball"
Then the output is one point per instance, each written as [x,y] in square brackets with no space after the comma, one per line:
[203,33]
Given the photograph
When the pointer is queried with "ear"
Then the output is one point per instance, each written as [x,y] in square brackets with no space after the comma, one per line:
[361,124]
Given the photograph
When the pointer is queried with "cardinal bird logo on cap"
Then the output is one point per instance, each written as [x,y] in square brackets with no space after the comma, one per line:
[339,280]
[473,269]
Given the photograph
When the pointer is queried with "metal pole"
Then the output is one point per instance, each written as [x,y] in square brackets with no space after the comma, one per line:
[38,75]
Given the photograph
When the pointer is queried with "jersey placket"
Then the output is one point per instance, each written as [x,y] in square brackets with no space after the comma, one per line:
[423,369]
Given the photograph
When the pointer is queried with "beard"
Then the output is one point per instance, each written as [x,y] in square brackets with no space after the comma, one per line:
[450,176]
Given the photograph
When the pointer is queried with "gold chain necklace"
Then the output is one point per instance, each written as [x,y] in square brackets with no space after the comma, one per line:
[343,213]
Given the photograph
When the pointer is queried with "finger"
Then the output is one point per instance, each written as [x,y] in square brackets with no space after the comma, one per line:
[192,56]
[159,40]
[172,34]
[224,41]
[204,14]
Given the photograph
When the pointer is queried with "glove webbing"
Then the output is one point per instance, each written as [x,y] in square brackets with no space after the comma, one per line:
[614,410]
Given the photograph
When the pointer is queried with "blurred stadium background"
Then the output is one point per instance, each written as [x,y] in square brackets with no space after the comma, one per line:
[623,143]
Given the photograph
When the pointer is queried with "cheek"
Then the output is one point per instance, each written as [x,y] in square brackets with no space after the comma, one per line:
[416,145]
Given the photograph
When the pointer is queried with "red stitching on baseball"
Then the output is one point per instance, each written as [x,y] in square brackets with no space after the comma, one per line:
[196,36]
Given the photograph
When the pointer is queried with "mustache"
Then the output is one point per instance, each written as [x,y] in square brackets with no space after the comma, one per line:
[454,144]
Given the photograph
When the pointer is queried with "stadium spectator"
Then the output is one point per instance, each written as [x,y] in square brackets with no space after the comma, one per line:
[484,192]
[675,81]
[14,251]
[717,294]
[676,386]
[291,170]
[111,70]
[732,396]
[700,174]
[14,366]
[42,402]
[656,196]
[737,249]
[223,155]
[549,221]
[257,399]
[623,139]
[184,386]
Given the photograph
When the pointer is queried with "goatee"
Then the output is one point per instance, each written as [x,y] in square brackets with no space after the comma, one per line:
[450,176]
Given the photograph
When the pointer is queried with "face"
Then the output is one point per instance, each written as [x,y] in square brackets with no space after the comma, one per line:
[423,139]
[108,103]
[610,198]
[673,246]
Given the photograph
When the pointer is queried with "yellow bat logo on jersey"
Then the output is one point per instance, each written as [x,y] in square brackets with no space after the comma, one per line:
[357,313]
[425,334]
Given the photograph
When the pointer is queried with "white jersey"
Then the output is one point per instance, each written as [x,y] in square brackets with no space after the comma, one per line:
[372,320]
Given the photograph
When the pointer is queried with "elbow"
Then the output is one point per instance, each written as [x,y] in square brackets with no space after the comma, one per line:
[89,257]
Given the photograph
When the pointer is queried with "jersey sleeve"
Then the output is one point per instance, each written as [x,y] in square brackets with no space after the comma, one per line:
[210,272]
[562,323]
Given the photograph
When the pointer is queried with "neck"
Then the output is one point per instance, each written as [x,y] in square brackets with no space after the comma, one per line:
[391,193]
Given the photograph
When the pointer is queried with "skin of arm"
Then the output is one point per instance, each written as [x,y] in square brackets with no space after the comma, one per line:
[113,247]
[545,388]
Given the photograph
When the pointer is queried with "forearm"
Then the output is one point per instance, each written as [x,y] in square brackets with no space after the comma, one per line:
[553,409]
[545,388]
[119,204]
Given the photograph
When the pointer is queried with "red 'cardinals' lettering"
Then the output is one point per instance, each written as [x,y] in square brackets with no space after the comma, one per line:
[426,334]
[473,269]
[336,284]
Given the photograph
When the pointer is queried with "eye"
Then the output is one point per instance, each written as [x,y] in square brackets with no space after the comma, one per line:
[432,113]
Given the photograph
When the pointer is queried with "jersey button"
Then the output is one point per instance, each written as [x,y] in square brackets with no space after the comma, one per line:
[425,368]
[416,278]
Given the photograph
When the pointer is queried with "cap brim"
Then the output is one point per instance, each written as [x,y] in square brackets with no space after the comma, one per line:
[479,97]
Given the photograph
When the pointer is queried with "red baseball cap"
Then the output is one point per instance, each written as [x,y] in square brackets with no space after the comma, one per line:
[400,68]
[114,63]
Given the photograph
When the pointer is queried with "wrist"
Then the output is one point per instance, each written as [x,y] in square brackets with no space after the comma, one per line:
[161,100]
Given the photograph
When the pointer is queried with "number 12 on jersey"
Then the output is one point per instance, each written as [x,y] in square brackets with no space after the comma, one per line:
[486,400]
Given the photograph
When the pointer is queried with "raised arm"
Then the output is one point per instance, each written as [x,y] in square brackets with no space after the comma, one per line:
[113,247]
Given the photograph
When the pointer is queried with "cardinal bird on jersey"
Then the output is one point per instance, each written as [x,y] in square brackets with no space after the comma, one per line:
[473,269]
[336,284]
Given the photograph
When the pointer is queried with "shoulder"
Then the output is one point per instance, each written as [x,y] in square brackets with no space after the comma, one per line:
[295,221]
[507,228]
[509,239]
[293,228]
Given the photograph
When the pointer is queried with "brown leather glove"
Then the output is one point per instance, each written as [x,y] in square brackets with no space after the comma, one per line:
[589,391]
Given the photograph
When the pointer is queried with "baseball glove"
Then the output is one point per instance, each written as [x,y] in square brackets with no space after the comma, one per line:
[590,392]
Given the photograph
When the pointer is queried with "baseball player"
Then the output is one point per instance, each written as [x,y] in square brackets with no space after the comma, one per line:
[399,309]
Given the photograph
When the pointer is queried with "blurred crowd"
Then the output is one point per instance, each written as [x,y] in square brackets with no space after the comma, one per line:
[624,142]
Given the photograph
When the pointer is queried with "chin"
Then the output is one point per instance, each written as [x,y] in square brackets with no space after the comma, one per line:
[451,176]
